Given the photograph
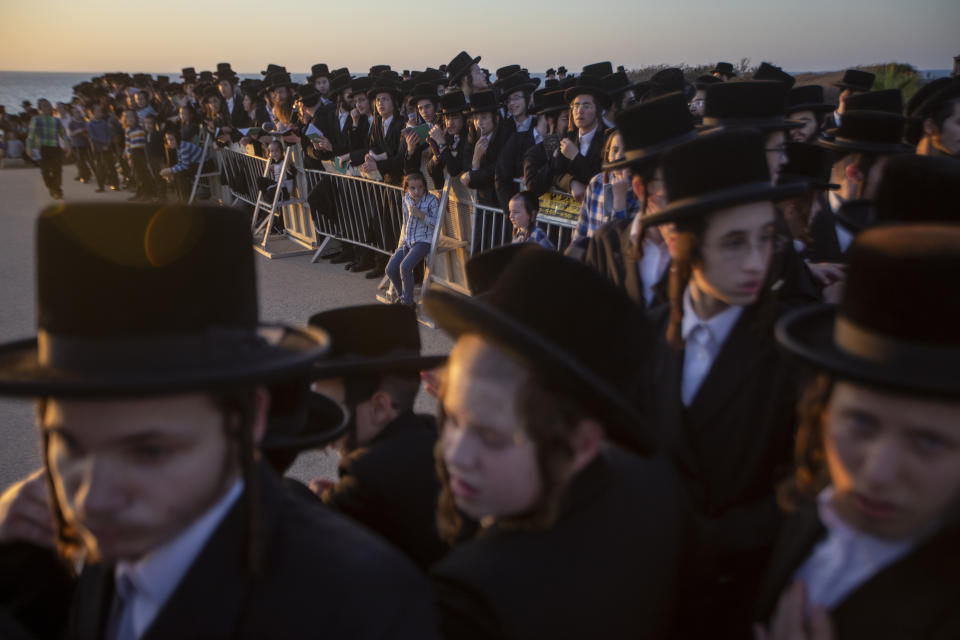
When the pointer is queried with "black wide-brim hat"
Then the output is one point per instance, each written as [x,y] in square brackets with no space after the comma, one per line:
[588,85]
[549,100]
[519,81]
[484,102]
[552,324]
[724,68]
[301,419]
[868,131]
[754,104]
[148,299]
[371,339]
[319,70]
[453,103]
[856,80]
[458,67]
[717,170]
[650,129]
[807,98]
[424,91]
[906,342]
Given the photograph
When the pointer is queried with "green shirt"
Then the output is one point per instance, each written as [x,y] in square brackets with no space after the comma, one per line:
[45,131]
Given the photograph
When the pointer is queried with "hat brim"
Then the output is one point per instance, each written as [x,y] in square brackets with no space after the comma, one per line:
[325,421]
[599,95]
[458,314]
[808,333]
[528,87]
[816,107]
[687,208]
[762,124]
[852,87]
[283,351]
[353,366]
[650,152]
[847,144]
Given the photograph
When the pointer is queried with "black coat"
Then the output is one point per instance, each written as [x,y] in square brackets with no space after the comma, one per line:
[510,164]
[484,178]
[322,575]
[539,170]
[581,168]
[824,245]
[391,486]
[391,168]
[611,253]
[609,567]
[916,597]
[450,158]
[732,446]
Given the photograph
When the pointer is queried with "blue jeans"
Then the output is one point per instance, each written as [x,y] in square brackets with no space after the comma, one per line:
[400,268]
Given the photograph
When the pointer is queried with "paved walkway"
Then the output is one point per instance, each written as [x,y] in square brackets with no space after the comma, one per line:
[291,290]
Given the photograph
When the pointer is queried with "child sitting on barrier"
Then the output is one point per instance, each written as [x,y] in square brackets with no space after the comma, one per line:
[185,163]
[421,211]
[523,214]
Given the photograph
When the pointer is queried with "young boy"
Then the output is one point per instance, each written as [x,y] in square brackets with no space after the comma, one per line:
[136,151]
[102,132]
[524,207]
[188,157]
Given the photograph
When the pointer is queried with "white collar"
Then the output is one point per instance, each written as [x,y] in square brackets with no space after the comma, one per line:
[835,201]
[157,574]
[386,124]
[720,325]
[525,125]
[587,138]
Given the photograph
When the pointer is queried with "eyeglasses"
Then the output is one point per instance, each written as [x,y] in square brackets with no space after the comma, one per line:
[582,106]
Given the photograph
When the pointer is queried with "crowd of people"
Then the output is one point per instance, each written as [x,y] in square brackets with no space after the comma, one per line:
[730,410]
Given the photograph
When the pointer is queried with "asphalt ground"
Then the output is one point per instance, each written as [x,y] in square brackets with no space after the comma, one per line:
[291,290]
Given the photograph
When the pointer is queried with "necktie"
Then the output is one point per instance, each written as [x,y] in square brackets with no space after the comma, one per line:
[696,363]
[120,626]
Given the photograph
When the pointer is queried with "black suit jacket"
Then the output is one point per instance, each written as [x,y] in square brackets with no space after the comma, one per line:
[582,168]
[391,486]
[322,575]
[918,596]
[611,253]
[824,245]
[609,567]
[391,168]
[539,169]
[732,445]
[510,164]
[484,178]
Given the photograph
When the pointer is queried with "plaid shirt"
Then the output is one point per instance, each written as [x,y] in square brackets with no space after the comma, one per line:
[415,229]
[46,131]
[595,211]
[538,235]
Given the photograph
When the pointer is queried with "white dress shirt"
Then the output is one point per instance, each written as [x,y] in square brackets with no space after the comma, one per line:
[525,125]
[155,576]
[704,339]
[654,261]
[844,237]
[386,126]
[343,118]
[845,559]
[229,102]
[586,139]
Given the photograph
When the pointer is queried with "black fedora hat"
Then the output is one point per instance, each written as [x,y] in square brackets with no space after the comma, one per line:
[588,85]
[484,101]
[225,72]
[272,68]
[301,419]
[278,79]
[552,324]
[885,100]
[519,81]
[385,84]
[210,92]
[868,131]
[598,69]
[906,341]
[757,104]
[549,100]
[931,95]
[702,82]
[431,75]
[308,95]
[807,98]
[767,71]
[666,81]
[561,69]
[370,339]
[339,82]
[718,169]
[377,69]
[918,189]
[504,72]
[189,74]
[551,72]
[724,68]
[318,70]
[453,103]
[424,91]
[651,128]
[807,163]
[856,80]
[361,84]
[207,76]
[459,66]
[617,83]
[148,299]
[486,268]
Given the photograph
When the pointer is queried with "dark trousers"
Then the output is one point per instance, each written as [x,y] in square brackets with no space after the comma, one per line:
[51,167]
[103,168]
[145,186]
[84,160]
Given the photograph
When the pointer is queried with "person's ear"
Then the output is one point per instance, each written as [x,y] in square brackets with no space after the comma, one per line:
[638,189]
[929,127]
[383,409]
[261,407]
[585,441]
[853,173]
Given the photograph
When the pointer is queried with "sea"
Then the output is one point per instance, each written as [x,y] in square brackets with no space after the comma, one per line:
[17,86]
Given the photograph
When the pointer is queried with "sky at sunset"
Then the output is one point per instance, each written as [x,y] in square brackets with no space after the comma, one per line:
[800,35]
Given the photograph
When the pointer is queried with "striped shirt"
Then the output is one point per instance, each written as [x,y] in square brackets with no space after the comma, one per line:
[46,131]
[136,138]
[187,154]
[415,229]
